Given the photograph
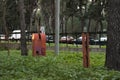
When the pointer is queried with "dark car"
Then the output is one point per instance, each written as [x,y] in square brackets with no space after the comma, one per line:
[79,41]
[49,38]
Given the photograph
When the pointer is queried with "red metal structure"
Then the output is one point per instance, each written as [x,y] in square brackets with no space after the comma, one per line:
[39,44]
[85,47]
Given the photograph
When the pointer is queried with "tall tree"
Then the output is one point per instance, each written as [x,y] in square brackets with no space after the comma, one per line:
[4,24]
[8,7]
[22,26]
[30,5]
[113,46]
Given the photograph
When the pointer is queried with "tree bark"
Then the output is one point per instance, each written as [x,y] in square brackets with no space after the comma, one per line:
[113,45]
[22,26]
[72,23]
[5,27]
[53,15]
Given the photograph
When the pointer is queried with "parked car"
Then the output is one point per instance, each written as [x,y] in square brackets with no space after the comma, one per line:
[16,35]
[103,39]
[67,39]
[2,36]
[79,41]
[49,38]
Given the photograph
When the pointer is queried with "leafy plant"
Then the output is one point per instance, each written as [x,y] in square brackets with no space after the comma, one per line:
[66,66]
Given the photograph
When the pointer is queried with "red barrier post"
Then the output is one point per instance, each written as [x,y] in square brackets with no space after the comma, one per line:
[39,44]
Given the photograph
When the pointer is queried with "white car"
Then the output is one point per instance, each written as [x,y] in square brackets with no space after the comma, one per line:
[16,34]
[2,36]
[67,39]
[103,39]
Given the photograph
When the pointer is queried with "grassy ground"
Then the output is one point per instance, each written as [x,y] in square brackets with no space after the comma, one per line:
[66,66]
[74,45]
[61,45]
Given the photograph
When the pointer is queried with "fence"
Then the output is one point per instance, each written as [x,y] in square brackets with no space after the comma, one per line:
[97,36]
[70,40]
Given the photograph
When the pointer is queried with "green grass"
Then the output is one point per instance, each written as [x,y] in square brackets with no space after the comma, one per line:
[61,44]
[66,66]
[74,46]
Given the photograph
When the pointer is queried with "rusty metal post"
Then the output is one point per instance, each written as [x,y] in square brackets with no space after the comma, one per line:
[85,48]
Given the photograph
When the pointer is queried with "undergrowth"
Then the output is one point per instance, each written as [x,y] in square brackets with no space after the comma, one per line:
[65,66]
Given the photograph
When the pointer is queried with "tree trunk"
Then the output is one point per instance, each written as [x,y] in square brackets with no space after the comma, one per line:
[72,23]
[113,45]
[89,23]
[82,24]
[33,2]
[53,15]
[5,27]
[22,26]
